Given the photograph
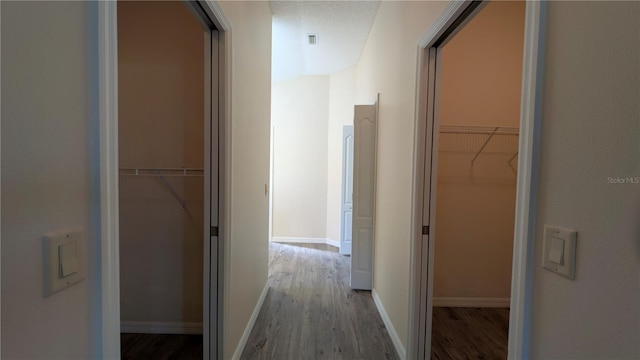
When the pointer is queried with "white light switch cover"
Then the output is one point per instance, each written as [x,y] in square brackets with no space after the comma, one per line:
[62,259]
[559,251]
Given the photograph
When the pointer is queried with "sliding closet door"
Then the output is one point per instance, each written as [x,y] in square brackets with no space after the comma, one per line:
[213,249]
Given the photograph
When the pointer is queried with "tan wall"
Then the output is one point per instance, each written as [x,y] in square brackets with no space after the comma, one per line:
[589,133]
[161,124]
[48,178]
[341,102]
[247,247]
[481,80]
[388,66]
[300,114]
[493,67]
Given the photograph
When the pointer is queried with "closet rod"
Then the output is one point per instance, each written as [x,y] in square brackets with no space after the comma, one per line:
[162,172]
[479,130]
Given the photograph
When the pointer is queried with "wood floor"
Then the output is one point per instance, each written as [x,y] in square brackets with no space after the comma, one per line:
[310,312]
[469,333]
[160,347]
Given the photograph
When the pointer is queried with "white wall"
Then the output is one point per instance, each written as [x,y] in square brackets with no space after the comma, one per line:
[247,246]
[308,114]
[388,66]
[590,131]
[47,181]
[160,124]
[300,117]
[342,91]
[480,80]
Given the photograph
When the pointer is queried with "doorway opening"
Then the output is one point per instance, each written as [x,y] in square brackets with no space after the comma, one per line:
[478,112]
[168,180]
[476,145]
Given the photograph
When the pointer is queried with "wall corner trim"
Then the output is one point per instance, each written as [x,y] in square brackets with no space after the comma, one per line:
[402,354]
[220,19]
[252,321]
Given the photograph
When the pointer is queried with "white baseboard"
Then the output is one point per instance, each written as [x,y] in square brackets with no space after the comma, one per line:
[334,243]
[471,302]
[298,240]
[156,327]
[402,353]
[252,321]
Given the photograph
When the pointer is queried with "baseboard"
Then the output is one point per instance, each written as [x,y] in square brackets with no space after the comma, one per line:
[303,240]
[333,243]
[402,353]
[156,327]
[252,321]
[471,302]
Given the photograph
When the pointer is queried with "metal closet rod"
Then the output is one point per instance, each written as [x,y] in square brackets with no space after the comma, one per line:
[161,172]
[479,130]
[490,131]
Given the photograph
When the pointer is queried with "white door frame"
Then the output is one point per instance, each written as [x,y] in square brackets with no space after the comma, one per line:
[423,205]
[108,128]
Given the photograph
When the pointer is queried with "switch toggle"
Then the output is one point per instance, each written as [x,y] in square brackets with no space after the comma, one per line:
[67,258]
[556,254]
[559,251]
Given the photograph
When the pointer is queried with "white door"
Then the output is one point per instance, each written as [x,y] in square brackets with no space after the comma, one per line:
[364,190]
[346,211]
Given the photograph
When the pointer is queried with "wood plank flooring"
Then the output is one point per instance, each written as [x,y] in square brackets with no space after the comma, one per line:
[160,347]
[310,311]
[469,333]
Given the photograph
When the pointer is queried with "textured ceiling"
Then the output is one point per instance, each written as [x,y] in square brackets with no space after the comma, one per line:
[342,28]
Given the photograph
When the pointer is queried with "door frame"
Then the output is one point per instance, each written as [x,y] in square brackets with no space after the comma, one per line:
[107,112]
[451,19]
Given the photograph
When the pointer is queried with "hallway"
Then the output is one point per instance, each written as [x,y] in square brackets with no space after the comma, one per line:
[310,311]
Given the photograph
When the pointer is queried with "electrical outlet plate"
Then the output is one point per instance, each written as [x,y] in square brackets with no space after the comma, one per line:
[559,251]
[62,251]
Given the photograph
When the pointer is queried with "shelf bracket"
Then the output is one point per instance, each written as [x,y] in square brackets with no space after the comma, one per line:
[484,145]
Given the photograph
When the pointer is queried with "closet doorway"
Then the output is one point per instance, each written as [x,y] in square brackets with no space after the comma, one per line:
[472,145]
[168,149]
[479,116]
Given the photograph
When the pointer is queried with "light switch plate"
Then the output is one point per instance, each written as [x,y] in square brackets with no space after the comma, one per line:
[62,251]
[560,261]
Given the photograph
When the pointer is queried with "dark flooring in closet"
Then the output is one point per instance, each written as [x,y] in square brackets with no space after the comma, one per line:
[469,333]
[160,347]
[310,311]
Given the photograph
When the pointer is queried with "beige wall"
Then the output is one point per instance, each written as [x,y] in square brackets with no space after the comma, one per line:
[308,114]
[48,178]
[300,114]
[161,112]
[388,66]
[590,132]
[481,80]
[247,246]
[342,91]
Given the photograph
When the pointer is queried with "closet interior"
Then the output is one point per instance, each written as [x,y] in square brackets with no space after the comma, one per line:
[477,155]
[161,193]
